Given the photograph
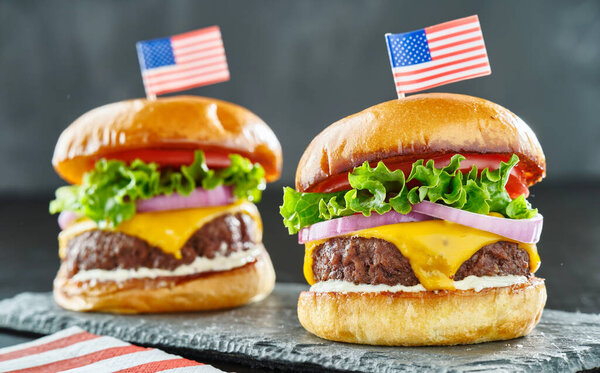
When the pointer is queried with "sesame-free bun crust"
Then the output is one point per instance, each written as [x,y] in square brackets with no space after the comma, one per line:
[219,290]
[424,318]
[419,126]
[178,122]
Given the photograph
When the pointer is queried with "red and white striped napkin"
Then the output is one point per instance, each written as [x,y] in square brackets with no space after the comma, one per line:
[75,350]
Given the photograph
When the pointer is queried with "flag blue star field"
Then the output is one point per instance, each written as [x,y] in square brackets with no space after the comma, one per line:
[437,55]
[183,61]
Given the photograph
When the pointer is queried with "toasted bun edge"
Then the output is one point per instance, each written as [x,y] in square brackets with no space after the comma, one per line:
[426,318]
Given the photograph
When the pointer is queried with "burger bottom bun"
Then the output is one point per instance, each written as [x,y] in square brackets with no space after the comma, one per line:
[213,291]
[424,318]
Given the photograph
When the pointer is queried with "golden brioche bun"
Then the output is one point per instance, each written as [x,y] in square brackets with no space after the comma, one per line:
[179,122]
[416,126]
[424,318]
[213,291]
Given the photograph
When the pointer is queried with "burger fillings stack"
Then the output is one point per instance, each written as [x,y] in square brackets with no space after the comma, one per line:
[161,217]
[416,224]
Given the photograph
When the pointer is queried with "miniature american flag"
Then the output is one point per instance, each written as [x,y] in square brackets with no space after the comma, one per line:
[438,55]
[74,350]
[183,61]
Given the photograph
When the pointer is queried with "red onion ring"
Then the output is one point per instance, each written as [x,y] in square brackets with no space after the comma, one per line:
[219,196]
[200,197]
[352,223]
[522,230]
[65,219]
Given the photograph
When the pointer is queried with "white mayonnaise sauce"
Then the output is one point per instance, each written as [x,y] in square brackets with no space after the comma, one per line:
[199,265]
[468,283]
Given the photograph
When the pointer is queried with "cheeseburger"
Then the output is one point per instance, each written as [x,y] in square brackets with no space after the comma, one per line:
[416,224]
[161,214]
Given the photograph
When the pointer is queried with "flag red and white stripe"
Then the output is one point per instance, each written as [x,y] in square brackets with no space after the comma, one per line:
[74,350]
[457,52]
[198,59]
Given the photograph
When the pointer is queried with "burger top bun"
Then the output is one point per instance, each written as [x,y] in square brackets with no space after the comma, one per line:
[179,122]
[418,126]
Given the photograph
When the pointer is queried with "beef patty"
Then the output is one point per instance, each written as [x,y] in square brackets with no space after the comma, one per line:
[376,261]
[99,249]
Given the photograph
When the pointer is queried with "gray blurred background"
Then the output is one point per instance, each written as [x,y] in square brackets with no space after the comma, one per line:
[300,65]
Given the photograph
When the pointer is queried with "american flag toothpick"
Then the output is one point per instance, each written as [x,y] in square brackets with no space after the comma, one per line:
[183,61]
[437,55]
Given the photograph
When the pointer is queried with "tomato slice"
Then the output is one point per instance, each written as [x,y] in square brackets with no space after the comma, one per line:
[172,157]
[515,185]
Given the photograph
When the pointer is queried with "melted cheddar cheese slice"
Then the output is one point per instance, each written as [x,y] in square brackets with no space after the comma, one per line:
[168,230]
[435,249]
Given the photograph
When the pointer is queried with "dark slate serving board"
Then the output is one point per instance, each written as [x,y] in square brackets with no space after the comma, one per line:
[269,334]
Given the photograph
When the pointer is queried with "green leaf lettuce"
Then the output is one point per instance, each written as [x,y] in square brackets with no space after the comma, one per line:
[108,193]
[380,190]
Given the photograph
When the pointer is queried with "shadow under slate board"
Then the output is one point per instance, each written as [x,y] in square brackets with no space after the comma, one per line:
[268,334]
